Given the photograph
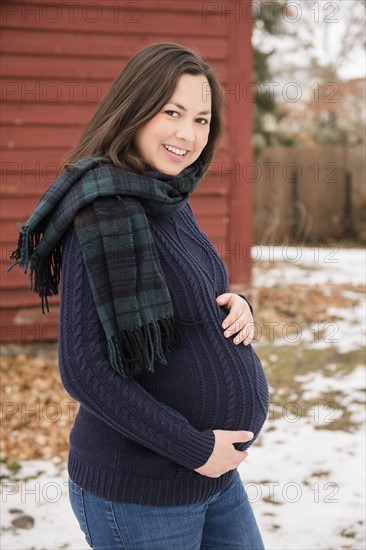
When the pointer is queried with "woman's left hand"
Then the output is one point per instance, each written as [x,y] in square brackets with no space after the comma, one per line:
[240,319]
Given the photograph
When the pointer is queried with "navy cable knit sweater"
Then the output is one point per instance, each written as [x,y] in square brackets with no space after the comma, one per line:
[139,440]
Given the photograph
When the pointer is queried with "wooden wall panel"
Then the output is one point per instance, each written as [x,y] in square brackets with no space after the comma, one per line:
[66,43]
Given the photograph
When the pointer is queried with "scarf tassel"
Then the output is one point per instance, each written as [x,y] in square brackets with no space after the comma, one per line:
[45,275]
[134,351]
[26,243]
[44,271]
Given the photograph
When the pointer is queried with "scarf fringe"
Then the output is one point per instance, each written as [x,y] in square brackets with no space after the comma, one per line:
[45,271]
[134,351]
[24,249]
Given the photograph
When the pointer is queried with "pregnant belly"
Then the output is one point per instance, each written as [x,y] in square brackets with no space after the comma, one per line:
[212,382]
[248,391]
[260,398]
[245,360]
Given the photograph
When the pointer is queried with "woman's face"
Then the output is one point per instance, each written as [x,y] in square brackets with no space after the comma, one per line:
[175,137]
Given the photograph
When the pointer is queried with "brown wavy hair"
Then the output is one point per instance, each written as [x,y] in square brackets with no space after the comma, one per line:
[143,87]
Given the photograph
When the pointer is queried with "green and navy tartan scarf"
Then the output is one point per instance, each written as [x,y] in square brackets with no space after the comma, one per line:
[108,206]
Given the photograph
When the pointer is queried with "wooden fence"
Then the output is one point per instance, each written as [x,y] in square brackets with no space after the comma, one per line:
[304,194]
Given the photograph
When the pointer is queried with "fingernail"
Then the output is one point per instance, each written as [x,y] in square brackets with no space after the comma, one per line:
[251,434]
[224,325]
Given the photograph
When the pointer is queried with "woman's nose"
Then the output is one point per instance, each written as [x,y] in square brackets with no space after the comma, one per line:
[186,131]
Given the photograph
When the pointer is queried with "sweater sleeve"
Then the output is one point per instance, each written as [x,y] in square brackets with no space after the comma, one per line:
[121,403]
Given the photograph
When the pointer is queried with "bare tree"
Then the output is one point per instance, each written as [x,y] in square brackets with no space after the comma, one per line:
[323,40]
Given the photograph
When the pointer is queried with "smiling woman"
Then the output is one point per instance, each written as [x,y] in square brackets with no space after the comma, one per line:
[174,138]
[168,402]
[155,82]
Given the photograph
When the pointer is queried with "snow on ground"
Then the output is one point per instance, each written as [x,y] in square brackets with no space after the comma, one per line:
[40,491]
[305,484]
[310,266]
[351,328]
[346,334]
[319,266]
[312,493]
[306,487]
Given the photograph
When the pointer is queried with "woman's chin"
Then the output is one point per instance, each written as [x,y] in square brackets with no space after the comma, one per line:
[163,168]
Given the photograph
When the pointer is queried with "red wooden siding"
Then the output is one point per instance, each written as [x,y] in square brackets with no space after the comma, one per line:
[58,61]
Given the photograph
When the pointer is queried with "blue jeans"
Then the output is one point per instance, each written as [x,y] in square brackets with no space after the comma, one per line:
[224,521]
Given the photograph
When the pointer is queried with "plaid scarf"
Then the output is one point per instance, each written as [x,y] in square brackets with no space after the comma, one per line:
[108,206]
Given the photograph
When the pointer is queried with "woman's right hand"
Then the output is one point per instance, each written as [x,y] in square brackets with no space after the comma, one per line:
[224,456]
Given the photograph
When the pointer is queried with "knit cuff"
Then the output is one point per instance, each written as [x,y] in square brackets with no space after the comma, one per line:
[196,450]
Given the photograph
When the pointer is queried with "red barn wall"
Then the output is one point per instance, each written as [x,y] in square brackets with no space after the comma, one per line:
[58,61]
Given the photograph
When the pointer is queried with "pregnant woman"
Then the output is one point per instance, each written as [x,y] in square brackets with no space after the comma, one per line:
[151,344]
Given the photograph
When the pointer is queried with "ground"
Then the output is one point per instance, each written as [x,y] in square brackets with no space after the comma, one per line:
[305,473]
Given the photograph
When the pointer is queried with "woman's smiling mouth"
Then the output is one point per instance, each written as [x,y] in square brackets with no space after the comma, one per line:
[175,150]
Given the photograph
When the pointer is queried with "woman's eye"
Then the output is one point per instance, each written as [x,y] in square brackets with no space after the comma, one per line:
[175,114]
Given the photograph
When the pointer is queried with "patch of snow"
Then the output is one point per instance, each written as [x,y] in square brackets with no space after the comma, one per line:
[351,327]
[352,386]
[315,382]
[307,487]
[310,266]
[40,490]
[346,333]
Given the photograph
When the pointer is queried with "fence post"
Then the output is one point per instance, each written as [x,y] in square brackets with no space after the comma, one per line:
[349,230]
[294,227]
